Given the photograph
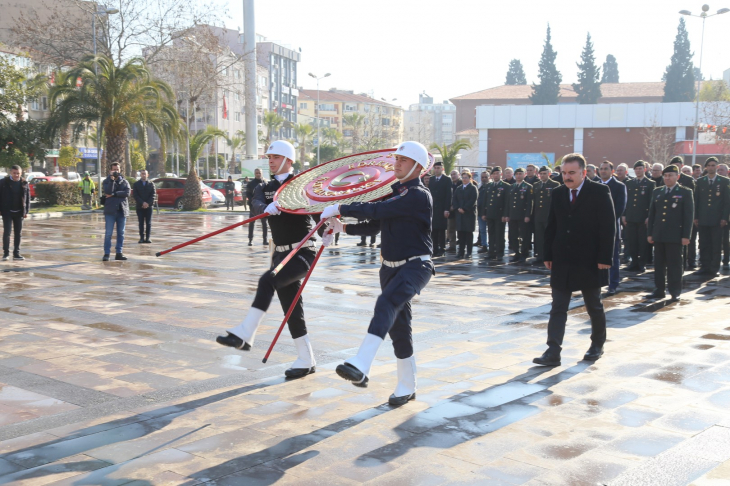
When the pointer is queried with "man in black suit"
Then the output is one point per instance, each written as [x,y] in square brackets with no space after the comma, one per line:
[144,196]
[618,196]
[440,187]
[579,241]
[557,176]
[689,252]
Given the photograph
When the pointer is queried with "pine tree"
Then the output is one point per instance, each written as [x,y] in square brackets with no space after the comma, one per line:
[515,73]
[610,70]
[588,88]
[680,77]
[548,91]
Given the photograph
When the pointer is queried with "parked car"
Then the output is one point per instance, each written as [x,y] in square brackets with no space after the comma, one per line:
[170,192]
[30,175]
[219,185]
[216,197]
[38,180]
[72,176]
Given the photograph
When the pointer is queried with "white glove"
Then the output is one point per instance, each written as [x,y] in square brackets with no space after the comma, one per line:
[328,239]
[273,208]
[335,225]
[330,211]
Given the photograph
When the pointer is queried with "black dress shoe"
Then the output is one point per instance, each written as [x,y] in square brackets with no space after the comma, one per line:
[539,263]
[691,266]
[294,373]
[147,241]
[674,299]
[233,341]
[6,257]
[548,358]
[360,244]
[350,373]
[611,292]
[141,240]
[641,270]
[266,242]
[398,401]
[250,243]
[106,258]
[593,353]
[657,294]
[18,256]
[483,249]
[632,268]
[514,259]
[460,256]
[120,256]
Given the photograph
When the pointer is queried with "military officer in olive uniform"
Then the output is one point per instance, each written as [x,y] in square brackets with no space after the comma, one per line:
[635,218]
[712,209]
[542,194]
[690,251]
[671,214]
[496,202]
[519,213]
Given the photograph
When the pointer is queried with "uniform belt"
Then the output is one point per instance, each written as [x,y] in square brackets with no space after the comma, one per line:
[399,263]
[308,244]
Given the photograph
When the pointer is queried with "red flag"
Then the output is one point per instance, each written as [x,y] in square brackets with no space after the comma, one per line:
[53,78]
[225,108]
[78,82]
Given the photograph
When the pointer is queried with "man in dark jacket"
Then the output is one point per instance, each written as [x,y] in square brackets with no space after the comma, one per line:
[257,181]
[712,211]
[618,196]
[481,206]
[495,206]
[230,192]
[465,207]
[635,217]
[440,187]
[689,252]
[144,192]
[116,210]
[518,214]
[451,224]
[542,195]
[579,240]
[14,206]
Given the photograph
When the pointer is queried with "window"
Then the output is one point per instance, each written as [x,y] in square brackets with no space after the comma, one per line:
[237,73]
[349,107]
[34,105]
[327,107]
[347,133]
[238,116]
[302,106]
[385,122]
[44,103]
[447,119]
[237,96]
[224,72]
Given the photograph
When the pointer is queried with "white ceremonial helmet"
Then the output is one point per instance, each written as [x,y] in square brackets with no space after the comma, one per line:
[415,151]
[283,148]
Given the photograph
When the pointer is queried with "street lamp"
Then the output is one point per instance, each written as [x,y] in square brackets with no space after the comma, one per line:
[100,10]
[316,113]
[703,16]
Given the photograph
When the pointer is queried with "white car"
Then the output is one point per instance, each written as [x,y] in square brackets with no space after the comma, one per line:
[72,176]
[217,197]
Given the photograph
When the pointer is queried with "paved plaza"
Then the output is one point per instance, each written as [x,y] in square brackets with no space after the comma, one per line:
[110,374]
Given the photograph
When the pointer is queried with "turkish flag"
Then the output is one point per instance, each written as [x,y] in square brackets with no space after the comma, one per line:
[78,82]
[225,108]
[53,78]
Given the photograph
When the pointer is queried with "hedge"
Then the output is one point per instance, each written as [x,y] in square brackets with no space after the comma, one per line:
[58,193]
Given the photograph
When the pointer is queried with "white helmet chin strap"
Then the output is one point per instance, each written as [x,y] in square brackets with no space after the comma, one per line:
[415,164]
[281,166]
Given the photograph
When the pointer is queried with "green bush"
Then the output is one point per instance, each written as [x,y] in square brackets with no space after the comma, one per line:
[58,193]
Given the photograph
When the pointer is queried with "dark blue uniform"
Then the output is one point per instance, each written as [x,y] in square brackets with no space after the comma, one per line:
[404,222]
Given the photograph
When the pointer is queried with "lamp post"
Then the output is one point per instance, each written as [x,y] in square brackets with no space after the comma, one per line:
[703,16]
[100,10]
[316,113]
[187,128]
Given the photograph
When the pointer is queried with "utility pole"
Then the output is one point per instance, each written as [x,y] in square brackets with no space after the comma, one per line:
[249,64]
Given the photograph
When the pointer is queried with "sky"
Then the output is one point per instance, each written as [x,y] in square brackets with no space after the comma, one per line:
[400,48]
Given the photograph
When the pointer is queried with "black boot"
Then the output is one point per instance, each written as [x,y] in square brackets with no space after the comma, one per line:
[17,255]
[6,256]
[350,373]
[548,358]
[120,256]
[233,341]
[250,242]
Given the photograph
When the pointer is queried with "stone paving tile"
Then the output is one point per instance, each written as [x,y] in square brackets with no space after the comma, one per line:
[135,390]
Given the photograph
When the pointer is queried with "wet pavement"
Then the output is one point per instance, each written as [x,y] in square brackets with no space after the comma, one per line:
[109,373]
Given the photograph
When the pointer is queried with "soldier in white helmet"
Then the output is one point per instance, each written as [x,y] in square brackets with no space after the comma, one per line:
[404,222]
[287,230]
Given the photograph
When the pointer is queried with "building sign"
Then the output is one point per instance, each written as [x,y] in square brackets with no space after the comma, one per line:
[535,158]
[88,153]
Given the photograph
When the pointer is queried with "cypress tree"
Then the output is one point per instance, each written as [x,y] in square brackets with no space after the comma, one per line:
[515,73]
[679,76]
[548,91]
[610,70]
[588,88]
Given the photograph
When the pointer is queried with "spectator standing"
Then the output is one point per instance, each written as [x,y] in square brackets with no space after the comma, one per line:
[14,207]
[144,192]
[509,176]
[257,181]
[116,210]
[465,208]
[494,214]
[244,183]
[88,188]
[635,218]
[618,196]
[722,170]
[542,195]
[451,230]
[441,190]
[481,207]
[518,215]
[230,188]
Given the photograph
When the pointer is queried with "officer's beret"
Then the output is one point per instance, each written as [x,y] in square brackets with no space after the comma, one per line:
[711,159]
[496,169]
[677,160]
[545,168]
[519,169]
[640,163]
[671,169]
[438,164]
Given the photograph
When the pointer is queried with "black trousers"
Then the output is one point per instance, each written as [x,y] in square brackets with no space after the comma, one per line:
[637,246]
[286,284]
[144,216]
[559,316]
[691,250]
[710,247]
[525,238]
[466,241]
[540,239]
[439,240]
[668,268]
[513,236]
[495,232]
[12,221]
[726,245]
[263,224]
[229,201]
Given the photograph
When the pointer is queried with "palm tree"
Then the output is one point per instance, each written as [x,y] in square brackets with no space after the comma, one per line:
[333,136]
[303,131]
[449,152]
[201,139]
[235,143]
[118,97]
[273,122]
[356,121]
